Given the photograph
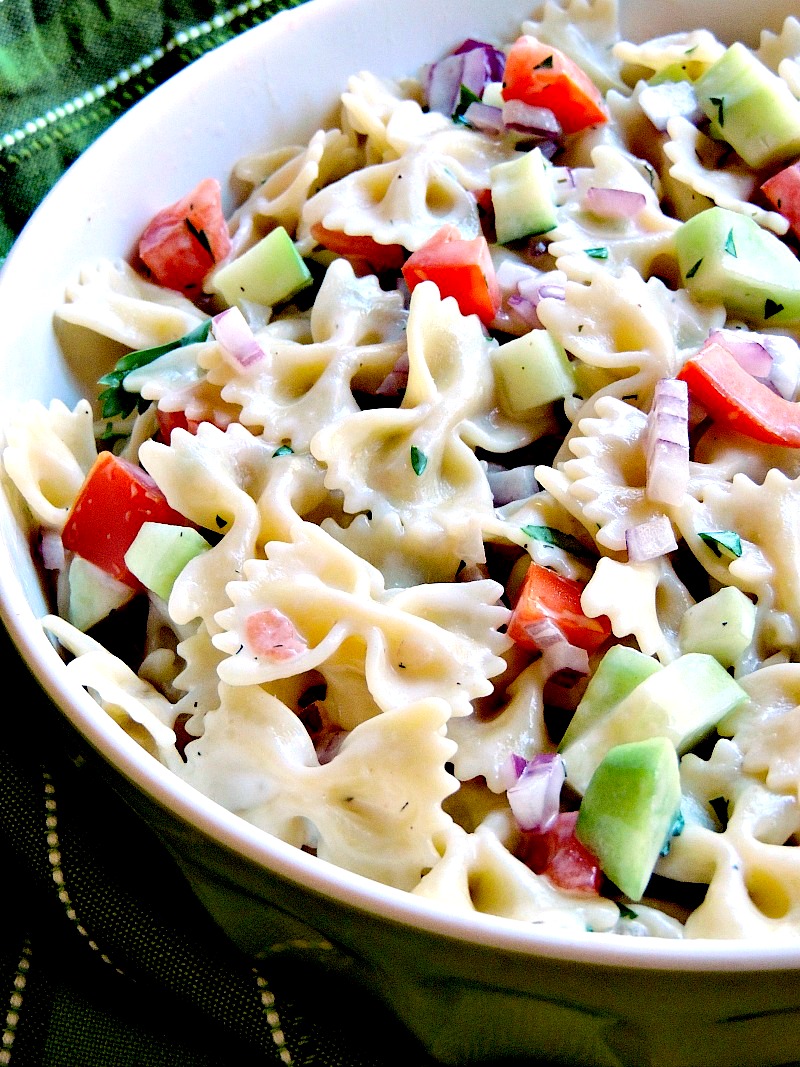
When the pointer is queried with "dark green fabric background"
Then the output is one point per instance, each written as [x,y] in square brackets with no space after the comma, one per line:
[106,958]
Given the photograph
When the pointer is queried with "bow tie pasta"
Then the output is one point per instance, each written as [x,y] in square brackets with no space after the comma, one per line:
[440,512]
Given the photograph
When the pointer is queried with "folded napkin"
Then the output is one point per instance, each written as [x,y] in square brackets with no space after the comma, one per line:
[106,957]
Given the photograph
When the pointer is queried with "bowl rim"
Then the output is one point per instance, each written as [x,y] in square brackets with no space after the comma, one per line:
[230,831]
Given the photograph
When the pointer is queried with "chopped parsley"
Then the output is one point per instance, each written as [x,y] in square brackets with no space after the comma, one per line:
[625,912]
[419,461]
[283,450]
[719,104]
[690,273]
[549,536]
[771,307]
[200,236]
[597,253]
[730,246]
[546,64]
[115,400]
[465,98]
[723,542]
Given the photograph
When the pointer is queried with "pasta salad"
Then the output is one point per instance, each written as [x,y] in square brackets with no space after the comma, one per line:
[439,515]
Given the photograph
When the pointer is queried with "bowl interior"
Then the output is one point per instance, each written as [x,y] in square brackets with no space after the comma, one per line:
[256,92]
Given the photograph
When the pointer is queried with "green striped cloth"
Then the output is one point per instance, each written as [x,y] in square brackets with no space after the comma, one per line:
[106,957]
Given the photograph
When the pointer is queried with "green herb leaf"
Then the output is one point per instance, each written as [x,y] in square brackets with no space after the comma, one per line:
[115,400]
[557,539]
[465,98]
[723,542]
[730,247]
[597,253]
[546,64]
[419,461]
[200,236]
[719,104]
[283,450]
[771,307]
[690,273]
[625,912]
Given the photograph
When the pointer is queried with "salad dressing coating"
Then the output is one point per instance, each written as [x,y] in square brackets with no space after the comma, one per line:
[419,553]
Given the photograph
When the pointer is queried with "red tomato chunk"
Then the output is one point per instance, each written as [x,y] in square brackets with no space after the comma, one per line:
[461,267]
[560,855]
[548,595]
[112,505]
[184,241]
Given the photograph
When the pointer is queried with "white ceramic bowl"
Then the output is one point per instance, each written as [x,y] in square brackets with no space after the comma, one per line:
[469,987]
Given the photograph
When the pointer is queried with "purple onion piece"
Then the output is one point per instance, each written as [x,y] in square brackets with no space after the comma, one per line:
[484,117]
[527,118]
[535,797]
[495,59]
[444,84]
[650,540]
[614,203]
[518,483]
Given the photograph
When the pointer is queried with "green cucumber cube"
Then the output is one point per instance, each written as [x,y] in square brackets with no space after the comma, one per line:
[93,594]
[751,108]
[722,626]
[618,673]
[522,197]
[683,702]
[160,551]
[268,273]
[531,371]
[629,810]
[725,257]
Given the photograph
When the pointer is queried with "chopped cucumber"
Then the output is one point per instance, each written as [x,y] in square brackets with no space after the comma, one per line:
[751,108]
[682,702]
[629,810]
[268,273]
[93,593]
[618,673]
[493,94]
[725,257]
[522,197]
[722,626]
[531,371]
[160,551]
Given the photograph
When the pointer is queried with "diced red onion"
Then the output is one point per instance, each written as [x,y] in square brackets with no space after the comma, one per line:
[507,485]
[535,797]
[614,203]
[395,382]
[527,118]
[472,65]
[542,286]
[236,338]
[668,442]
[662,102]
[750,354]
[562,661]
[53,557]
[494,58]
[651,539]
[525,309]
[484,117]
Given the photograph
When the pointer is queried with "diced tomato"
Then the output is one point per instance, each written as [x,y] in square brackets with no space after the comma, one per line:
[461,267]
[546,595]
[360,247]
[559,854]
[739,401]
[116,498]
[183,241]
[173,420]
[783,192]
[541,75]
[271,634]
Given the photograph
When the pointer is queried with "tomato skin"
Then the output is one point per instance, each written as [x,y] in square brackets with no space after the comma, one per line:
[360,248]
[543,76]
[116,498]
[738,401]
[559,854]
[547,595]
[461,267]
[783,192]
[182,242]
